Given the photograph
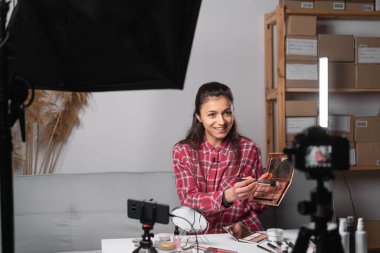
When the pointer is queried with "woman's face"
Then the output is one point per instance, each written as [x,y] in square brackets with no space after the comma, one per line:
[217,118]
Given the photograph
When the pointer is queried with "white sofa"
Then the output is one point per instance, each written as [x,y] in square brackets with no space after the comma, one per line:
[73,212]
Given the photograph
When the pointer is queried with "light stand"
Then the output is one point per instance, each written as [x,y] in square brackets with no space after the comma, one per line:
[13,93]
[6,176]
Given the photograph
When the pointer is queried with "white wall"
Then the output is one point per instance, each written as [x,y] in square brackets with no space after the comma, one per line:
[136,130]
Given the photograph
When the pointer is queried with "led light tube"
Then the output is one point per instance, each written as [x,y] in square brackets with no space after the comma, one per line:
[323,92]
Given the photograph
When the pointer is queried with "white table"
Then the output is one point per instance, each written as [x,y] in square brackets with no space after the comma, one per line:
[224,241]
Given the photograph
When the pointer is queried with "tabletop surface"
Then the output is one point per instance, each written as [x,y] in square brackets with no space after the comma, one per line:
[221,241]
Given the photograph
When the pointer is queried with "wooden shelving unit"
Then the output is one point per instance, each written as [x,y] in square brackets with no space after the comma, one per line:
[275,86]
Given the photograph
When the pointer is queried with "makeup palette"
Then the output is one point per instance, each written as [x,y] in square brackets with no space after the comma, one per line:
[271,191]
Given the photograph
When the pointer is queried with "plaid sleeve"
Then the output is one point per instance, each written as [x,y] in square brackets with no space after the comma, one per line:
[187,185]
[252,222]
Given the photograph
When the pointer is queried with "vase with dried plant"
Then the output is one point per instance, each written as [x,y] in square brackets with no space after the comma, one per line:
[49,122]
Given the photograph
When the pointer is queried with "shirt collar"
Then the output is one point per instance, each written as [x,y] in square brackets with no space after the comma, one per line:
[223,148]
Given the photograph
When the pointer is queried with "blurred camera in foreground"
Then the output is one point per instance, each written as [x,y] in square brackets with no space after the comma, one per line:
[317,153]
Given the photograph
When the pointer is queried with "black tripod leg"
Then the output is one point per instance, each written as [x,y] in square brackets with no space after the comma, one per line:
[334,241]
[302,242]
[137,250]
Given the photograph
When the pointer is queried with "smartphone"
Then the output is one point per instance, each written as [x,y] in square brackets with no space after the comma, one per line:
[148,211]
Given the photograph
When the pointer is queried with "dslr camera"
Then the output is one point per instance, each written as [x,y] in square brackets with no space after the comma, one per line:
[318,154]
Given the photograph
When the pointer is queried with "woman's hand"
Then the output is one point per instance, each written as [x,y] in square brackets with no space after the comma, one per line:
[242,190]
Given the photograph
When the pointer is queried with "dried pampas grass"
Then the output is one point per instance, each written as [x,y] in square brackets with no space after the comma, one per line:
[49,123]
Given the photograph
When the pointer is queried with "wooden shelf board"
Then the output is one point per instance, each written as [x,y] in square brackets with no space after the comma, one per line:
[337,14]
[270,18]
[365,168]
[271,94]
[306,90]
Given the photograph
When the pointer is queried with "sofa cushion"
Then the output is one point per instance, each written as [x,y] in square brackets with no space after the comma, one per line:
[73,212]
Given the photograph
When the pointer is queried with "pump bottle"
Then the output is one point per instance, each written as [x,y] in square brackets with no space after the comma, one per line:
[344,235]
[361,238]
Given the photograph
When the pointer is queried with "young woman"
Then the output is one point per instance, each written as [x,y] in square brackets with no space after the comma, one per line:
[211,159]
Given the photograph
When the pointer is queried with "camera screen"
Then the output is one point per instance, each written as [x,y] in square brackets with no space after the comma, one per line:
[318,156]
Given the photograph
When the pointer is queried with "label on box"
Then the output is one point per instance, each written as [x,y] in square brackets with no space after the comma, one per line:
[301,47]
[301,71]
[338,6]
[369,54]
[361,123]
[339,123]
[367,8]
[298,124]
[307,5]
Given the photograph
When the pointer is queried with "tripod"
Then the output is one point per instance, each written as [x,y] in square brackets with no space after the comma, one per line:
[321,212]
[146,242]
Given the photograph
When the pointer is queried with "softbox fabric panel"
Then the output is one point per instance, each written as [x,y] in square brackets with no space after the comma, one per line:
[102,45]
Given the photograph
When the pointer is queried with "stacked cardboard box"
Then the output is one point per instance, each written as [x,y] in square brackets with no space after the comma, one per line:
[360,5]
[301,51]
[298,4]
[367,140]
[339,49]
[300,114]
[329,5]
[343,126]
[367,51]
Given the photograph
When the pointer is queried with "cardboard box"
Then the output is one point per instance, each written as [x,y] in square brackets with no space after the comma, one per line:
[297,4]
[301,48]
[360,5]
[342,125]
[373,230]
[301,74]
[295,125]
[329,5]
[297,108]
[336,47]
[367,129]
[342,75]
[289,139]
[367,50]
[367,76]
[367,153]
[301,25]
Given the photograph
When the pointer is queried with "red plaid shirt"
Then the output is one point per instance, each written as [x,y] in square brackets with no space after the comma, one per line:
[202,175]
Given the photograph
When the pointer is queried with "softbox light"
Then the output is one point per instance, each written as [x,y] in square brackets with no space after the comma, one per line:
[87,45]
[102,45]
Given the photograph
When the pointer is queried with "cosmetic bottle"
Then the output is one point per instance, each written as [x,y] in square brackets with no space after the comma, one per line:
[177,238]
[361,238]
[351,233]
[344,234]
